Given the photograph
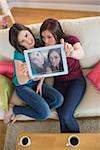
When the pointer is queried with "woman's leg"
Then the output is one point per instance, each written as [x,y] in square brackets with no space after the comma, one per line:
[36,106]
[73,92]
[53,97]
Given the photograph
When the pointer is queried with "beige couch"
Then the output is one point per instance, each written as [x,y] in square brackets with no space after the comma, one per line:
[88,31]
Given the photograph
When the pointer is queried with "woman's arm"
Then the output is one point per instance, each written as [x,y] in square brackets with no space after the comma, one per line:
[21,72]
[39,86]
[77,51]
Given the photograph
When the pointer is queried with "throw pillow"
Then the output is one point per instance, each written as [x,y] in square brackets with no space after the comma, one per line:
[6,90]
[94,76]
[7,68]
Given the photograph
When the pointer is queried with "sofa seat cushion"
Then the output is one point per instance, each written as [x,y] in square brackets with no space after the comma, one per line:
[89,106]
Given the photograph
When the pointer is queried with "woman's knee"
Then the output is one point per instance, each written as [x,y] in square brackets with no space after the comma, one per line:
[45,114]
[59,99]
[65,117]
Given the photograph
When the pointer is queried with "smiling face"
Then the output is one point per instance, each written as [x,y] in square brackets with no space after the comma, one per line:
[37,58]
[48,38]
[54,58]
[26,39]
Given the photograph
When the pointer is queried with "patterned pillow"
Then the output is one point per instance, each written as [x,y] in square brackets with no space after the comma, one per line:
[7,68]
[94,76]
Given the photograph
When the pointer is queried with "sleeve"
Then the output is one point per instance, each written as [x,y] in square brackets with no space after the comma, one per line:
[19,56]
[73,39]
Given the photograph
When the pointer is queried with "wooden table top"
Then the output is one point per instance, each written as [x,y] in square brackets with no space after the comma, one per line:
[57,141]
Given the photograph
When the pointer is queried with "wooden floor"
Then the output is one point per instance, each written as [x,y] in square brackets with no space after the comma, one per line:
[29,16]
[2,134]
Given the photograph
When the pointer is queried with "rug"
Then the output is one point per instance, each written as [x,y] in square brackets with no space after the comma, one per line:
[36,127]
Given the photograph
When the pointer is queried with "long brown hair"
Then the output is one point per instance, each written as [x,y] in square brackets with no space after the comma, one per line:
[58,51]
[53,26]
[13,36]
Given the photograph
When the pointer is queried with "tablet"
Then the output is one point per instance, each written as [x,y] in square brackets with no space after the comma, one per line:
[46,61]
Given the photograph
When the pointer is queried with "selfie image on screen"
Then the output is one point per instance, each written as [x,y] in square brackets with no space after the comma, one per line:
[46,61]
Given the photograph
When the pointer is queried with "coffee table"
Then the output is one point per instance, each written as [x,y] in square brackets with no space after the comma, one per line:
[57,141]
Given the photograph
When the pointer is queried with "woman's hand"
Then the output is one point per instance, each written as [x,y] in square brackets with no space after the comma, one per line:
[21,72]
[36,79]
[39,86]
[24,68]
[67,47]
[76,51]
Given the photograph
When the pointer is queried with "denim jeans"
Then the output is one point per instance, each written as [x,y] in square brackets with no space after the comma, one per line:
[73,92]
[37,106]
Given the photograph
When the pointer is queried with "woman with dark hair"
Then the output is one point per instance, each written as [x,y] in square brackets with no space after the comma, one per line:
[55,59]
[73,84]
[29,90]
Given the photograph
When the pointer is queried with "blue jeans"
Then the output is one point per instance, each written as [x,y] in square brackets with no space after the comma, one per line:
[73,92]
[38,107]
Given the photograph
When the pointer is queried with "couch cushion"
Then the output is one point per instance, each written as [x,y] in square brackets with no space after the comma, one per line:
[89,106]
[88,31]
[7,68]
[94,76]
[6,90]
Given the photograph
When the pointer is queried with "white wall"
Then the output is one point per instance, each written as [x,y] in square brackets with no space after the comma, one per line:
[87,5]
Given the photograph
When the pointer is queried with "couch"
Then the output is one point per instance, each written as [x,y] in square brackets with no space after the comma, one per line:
[88,112]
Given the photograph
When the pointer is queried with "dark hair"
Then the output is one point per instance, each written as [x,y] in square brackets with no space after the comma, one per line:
[53,26]
[58,51]
[13,36]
